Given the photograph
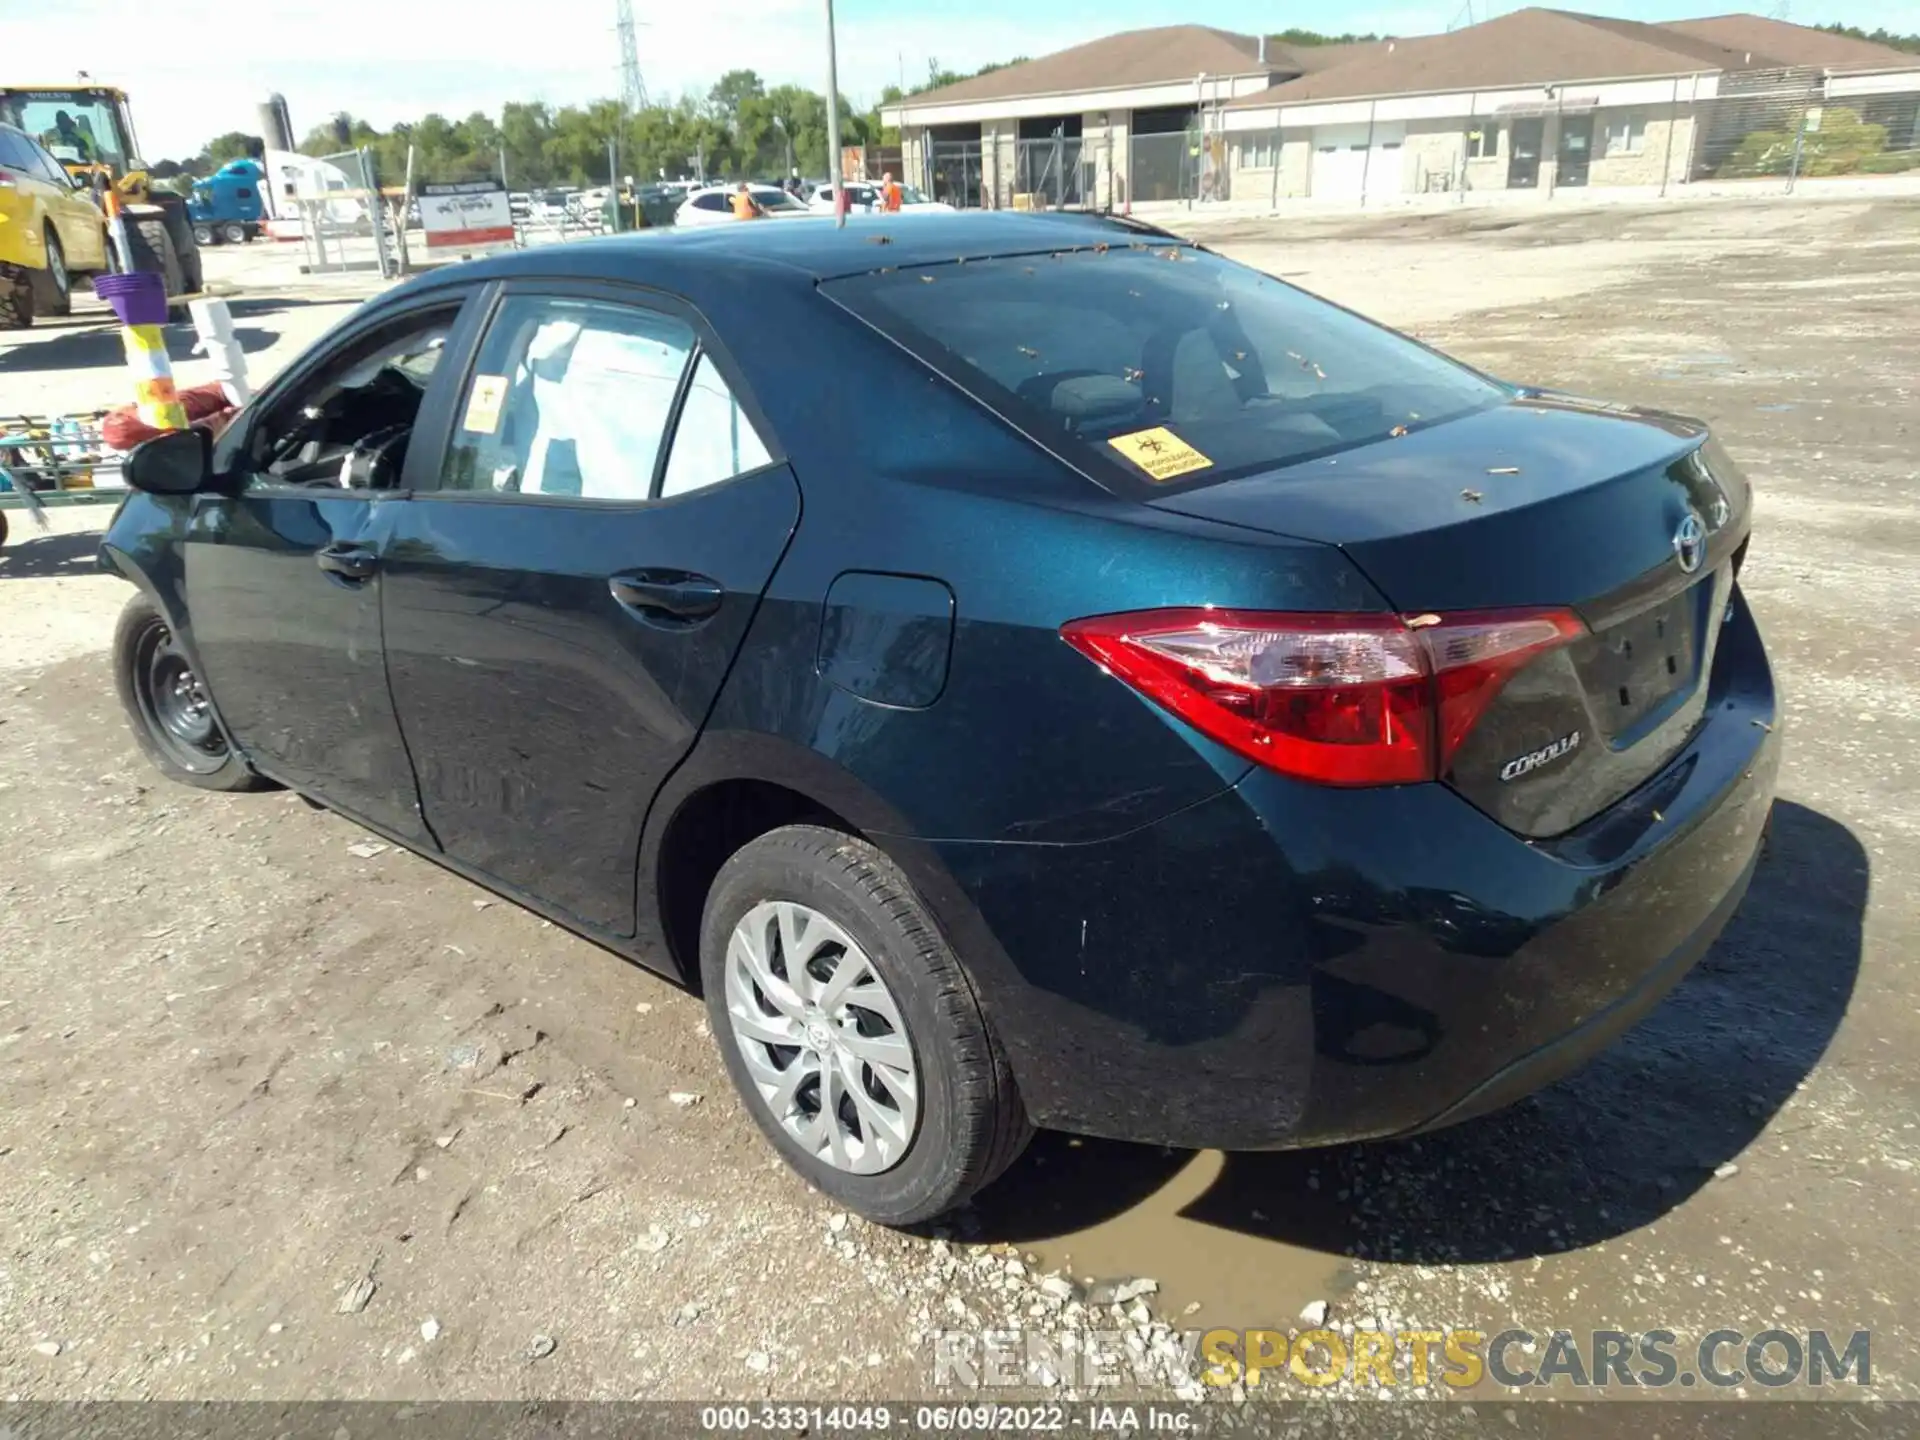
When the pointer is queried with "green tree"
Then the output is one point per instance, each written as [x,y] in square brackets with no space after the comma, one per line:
[737,127]
[1314,37]
[231,146]
[732,90]
[1842,145]
[1879,37]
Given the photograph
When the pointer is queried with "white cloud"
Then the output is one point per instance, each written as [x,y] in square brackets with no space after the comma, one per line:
[392,60]
[389,60]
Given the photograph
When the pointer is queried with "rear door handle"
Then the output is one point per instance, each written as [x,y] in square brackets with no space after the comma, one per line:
[672,593]
[348,561]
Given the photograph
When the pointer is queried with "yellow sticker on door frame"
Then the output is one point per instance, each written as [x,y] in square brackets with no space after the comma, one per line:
[484,403]
[1161,453]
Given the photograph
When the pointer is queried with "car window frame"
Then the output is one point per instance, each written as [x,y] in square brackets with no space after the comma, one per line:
[706,344]
[28,152]
[12,138]
[51,171]
[430,427]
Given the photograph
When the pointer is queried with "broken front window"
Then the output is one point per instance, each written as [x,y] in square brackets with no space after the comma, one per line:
[349,425]
[1122,356]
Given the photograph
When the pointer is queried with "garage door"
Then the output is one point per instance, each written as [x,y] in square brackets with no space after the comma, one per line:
[1342,166]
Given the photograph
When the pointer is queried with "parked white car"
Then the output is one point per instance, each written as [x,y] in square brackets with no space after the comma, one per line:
[713,205]
[865,195]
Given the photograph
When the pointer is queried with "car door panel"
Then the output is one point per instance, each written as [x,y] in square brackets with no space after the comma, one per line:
[85,233]
[76,220]
[81,226]
[292,652]
[286,630]
[553,658]
[542,711]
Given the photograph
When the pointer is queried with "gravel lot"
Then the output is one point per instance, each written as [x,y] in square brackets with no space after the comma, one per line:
[286,1119]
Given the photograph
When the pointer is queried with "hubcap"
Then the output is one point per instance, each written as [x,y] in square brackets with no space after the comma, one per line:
[823,1037]
[57,268]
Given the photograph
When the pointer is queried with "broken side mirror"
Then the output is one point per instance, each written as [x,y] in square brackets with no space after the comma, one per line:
[179,462]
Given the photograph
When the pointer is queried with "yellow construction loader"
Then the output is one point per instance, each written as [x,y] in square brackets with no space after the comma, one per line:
[88,130]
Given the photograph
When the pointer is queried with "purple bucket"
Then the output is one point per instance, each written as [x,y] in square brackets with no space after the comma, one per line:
[138,299]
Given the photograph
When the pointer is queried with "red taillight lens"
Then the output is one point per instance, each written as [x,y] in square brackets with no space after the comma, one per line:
[1337,699]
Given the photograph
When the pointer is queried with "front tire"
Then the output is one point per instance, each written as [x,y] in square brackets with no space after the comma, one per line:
[203,235]
[850,1029]
[16,297]
[172,719]
[56,284]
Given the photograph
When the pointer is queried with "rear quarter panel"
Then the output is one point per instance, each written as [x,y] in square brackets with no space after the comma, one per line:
[1027,741]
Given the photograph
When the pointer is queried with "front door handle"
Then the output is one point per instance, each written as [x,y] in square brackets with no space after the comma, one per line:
[348,561]
[672,593]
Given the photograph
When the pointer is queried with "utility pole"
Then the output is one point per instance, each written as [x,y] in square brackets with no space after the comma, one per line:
[833,125]
[503,164]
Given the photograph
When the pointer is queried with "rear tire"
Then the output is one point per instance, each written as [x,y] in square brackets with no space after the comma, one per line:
[16,297]
[234,233]
[56,283]
[154,252]
[966,1123]
[172,721]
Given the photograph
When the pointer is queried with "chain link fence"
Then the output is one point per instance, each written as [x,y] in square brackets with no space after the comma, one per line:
[1792,123]
[956,174]
[344,224]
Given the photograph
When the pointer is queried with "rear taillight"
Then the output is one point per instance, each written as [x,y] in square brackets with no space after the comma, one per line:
[1337,699]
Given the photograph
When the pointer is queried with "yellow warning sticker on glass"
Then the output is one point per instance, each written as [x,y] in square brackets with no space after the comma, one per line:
[1160,452]
[483,405]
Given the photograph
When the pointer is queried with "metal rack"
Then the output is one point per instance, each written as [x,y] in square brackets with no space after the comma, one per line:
[56,460]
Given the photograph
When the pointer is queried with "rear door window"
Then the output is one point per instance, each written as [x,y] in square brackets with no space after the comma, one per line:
[714,440]
[569,398]
[1163,365]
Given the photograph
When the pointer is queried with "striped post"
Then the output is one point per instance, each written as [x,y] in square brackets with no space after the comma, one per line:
[139,300]
[152,372]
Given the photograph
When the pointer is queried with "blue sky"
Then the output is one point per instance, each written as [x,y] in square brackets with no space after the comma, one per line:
[395,59]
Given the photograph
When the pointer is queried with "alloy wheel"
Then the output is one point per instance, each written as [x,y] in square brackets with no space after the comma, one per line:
[823,1037]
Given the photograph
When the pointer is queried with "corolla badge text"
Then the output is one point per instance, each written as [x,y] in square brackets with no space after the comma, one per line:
[1534,759]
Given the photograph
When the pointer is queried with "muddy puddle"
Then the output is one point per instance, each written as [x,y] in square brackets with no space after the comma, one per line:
[1104,1211]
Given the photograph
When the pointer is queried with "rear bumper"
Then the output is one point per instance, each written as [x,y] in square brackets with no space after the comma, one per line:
[1561,1057]
[1284,965]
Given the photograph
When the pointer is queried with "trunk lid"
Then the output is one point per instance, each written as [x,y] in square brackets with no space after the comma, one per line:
[1548,501]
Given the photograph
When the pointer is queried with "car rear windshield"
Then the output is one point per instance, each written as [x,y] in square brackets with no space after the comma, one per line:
[1162,365]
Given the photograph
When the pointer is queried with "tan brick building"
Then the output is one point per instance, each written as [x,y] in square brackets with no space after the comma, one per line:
[1540,100]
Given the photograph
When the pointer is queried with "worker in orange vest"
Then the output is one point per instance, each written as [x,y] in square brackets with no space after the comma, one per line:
[745,207]
[889,192]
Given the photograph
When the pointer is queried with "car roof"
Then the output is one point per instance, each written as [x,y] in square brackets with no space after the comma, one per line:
[806,251]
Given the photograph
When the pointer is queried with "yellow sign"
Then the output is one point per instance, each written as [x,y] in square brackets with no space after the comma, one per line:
[1160,452]
[483,405]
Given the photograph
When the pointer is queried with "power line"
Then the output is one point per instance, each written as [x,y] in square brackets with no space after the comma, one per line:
[633,89]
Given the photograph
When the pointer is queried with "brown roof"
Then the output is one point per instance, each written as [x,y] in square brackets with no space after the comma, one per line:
[1523,47]
[1792,44]
[1136,57]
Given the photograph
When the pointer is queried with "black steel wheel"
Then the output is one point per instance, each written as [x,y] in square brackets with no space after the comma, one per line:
[168,707]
